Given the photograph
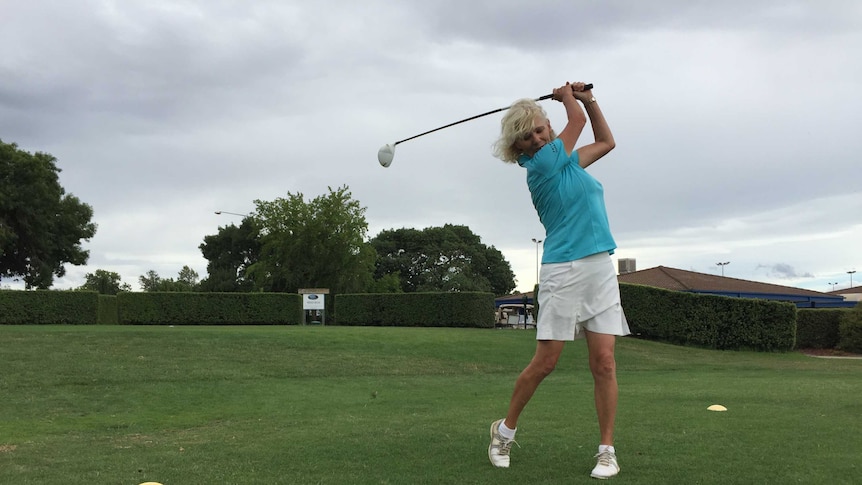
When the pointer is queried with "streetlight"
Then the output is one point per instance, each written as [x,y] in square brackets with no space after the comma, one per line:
[218,213]
[722,265]
[537,241]
[851,277]
[833,285]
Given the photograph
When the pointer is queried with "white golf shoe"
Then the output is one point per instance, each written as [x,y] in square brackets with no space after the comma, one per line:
[498,450]
[606,466]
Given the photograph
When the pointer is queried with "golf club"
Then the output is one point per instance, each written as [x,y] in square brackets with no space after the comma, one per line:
[387,151]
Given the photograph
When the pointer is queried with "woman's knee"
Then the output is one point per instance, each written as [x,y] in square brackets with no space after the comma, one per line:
[603,365]
[544,363]
[601,349]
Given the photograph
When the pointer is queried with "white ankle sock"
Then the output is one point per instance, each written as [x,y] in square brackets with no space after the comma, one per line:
[610,448]
[505,432]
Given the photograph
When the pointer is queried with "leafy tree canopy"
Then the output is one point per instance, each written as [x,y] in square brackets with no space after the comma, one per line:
[187,280]
[448,258]
[41,227]
[230,253]
[291,243]
[320,243]
[105,282]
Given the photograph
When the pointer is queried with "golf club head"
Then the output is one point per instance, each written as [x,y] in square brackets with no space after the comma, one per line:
[385,154]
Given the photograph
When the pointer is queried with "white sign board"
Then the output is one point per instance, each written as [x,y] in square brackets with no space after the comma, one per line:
[312,301]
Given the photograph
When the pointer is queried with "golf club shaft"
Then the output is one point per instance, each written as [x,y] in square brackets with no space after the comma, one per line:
[587,87]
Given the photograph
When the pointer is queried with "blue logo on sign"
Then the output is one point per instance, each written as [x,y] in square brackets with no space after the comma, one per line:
[312,297]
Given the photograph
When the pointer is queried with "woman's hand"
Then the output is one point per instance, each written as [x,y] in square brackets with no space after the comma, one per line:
[580,93]
[562,92]
[576,90]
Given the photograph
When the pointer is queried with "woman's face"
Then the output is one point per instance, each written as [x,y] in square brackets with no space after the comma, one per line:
[535,139]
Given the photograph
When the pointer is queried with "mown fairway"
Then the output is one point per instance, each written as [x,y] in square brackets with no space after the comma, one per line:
[344,405]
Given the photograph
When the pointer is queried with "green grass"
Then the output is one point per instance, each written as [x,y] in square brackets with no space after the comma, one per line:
[348,405]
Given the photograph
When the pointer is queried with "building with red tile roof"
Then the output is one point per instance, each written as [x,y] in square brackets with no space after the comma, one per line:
[694,282]
[851,294]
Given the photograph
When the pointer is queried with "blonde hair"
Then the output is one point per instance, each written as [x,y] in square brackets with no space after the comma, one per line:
[516,123]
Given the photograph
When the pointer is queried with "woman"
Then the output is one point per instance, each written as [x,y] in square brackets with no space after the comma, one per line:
[578,288]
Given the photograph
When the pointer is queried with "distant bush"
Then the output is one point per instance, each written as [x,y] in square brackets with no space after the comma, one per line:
[709,321]
[185,308]
[462,309]
[818,328]
[850,330]
[108,311]
[42,307]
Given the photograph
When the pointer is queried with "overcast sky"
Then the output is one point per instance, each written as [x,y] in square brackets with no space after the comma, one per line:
[737,123]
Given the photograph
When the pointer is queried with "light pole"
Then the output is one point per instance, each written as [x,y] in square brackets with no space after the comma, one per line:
[537,241]
[722,265]
[218,213]
[851,277]
[833,285]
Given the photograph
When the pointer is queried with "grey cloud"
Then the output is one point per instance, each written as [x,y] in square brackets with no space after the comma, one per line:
[595,24]
[783,271]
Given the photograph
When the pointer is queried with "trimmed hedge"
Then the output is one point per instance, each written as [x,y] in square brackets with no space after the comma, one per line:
[41,307]
[108,311]
[850,330]
[818,328]
[183,308]
[709,321]
[464,309]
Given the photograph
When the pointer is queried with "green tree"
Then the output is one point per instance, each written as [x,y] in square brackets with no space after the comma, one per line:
[390,283]
[229,254]
[187,280]
[105,282]
[320,243]
[149,281]
[448,258]
[41,227]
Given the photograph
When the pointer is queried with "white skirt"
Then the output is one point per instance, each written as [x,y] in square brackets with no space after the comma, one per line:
[578,295]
